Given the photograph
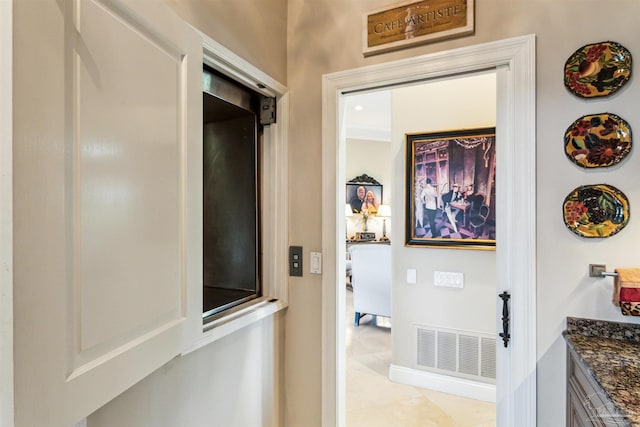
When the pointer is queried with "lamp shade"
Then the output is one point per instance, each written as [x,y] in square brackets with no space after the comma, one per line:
[384,210]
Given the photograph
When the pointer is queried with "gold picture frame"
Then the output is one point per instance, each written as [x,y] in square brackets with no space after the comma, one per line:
[450,189]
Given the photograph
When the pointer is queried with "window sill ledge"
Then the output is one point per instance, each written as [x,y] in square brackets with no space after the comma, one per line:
[236,319]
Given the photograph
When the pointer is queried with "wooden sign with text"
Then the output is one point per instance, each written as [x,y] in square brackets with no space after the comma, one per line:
[414,23]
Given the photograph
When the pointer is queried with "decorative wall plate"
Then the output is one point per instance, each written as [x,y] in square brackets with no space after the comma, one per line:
[598,69]
[596,210]
[597,141]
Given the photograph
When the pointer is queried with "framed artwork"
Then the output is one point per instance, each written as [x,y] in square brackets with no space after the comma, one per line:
[363,189]
[450,189]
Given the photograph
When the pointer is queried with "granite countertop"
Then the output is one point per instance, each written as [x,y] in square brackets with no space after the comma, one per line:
[610,352]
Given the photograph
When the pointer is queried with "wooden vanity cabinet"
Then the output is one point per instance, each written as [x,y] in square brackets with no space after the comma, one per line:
[587,404]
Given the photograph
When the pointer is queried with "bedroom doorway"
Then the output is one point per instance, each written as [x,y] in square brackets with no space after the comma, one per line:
[514,63]
[444,375]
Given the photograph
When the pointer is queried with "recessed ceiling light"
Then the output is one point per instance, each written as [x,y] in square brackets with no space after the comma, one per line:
[358,107]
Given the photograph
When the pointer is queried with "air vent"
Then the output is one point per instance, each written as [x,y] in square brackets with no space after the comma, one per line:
[468,355]
[446,345]
[426,348]
[488,362]
[459,353]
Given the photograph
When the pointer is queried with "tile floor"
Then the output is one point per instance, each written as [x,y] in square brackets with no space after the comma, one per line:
[374,401]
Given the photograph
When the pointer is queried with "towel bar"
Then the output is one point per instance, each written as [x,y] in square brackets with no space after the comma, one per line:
[609,274]
[600,270]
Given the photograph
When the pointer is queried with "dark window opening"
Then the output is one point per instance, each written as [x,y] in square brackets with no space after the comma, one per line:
[231,194]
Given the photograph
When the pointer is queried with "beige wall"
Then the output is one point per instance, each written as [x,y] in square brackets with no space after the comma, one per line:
[459,103]
[325,36]
[254,30]
[236,381]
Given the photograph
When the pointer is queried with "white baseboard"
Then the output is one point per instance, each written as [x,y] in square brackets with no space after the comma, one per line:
[443,383]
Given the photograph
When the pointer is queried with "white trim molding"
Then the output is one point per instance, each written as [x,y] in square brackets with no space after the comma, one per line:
[275,182]
[514,62]
[6,215]
[443,383]
[275,201]
[230,64]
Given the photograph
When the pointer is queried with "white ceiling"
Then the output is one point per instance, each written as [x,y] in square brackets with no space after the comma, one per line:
[373,121]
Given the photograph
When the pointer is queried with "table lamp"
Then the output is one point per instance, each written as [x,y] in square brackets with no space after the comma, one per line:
[384,211]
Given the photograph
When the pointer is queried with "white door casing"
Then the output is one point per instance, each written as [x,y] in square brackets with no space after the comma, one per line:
[107,113]
[514,62]
[6,218]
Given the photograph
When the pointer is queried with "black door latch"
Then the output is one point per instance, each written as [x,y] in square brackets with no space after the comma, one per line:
[505,318]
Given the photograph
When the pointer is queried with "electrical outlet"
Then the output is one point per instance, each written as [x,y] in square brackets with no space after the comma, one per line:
[448,279]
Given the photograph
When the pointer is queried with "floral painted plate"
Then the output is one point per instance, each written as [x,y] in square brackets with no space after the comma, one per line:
[596,210]
[598,140]
[598,69]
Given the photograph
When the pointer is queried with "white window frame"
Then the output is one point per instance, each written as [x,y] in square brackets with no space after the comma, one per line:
[274,202]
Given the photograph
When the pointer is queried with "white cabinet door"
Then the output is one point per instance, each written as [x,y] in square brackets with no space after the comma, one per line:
[107,137]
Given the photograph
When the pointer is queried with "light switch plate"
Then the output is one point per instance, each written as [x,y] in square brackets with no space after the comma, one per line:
[295,261]
[411,276]
[316,263]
